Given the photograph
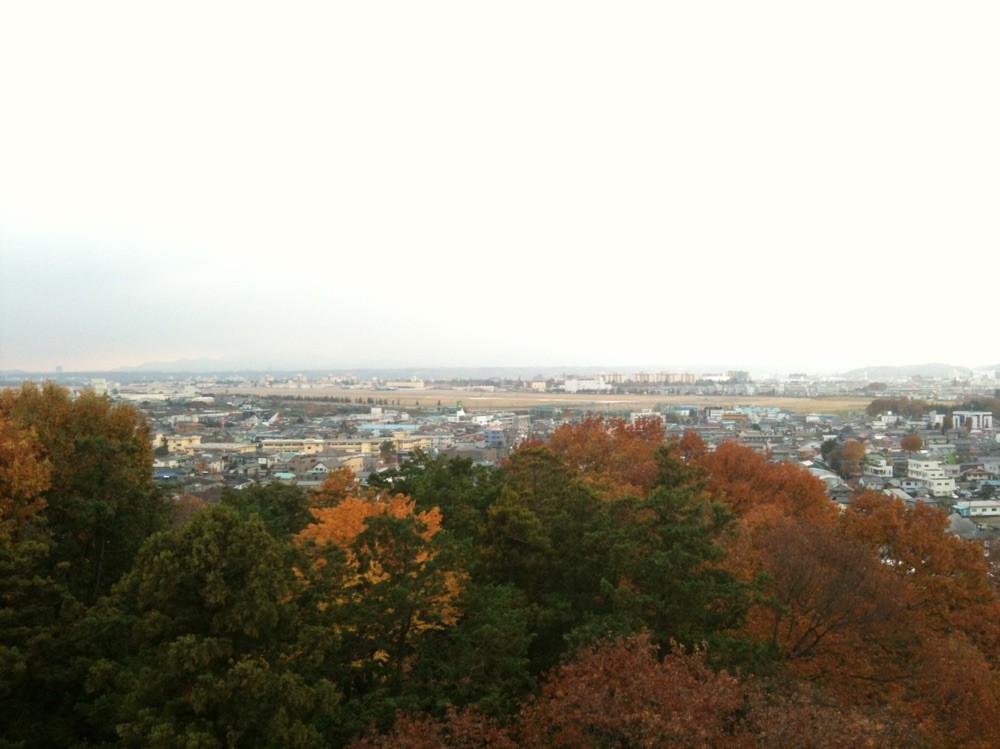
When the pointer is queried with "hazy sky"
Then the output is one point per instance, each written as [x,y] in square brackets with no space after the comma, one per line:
[767,184]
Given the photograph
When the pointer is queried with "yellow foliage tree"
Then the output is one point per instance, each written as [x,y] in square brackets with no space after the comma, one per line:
[391,585]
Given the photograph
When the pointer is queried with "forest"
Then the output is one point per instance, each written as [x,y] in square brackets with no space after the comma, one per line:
[603,589]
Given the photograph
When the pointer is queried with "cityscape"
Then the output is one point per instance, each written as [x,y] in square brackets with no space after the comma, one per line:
[217,431]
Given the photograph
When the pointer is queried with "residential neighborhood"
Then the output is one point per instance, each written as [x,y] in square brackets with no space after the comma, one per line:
[229,431]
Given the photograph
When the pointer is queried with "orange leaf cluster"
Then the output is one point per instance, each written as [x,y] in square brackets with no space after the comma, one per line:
[24,476]
[616,458]
[342,523]
[756,489]
[338,485]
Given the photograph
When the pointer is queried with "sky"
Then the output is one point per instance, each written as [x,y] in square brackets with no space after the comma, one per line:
[770,185]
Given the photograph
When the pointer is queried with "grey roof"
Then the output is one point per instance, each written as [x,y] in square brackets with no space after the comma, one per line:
[963,527]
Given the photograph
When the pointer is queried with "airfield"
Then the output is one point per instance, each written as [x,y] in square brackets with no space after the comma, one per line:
[480,399]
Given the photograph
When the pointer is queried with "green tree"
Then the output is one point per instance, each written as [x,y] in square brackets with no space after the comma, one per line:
[101,503]
[482,660]
[387,449]
[458,487]
[197,643]
[663,572]
[283,508]
[590,567]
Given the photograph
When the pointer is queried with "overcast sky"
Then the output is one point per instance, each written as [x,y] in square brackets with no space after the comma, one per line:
[765,184]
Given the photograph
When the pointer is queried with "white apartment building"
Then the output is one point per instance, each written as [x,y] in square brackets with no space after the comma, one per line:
[586,386]
[929,473]
[974,420]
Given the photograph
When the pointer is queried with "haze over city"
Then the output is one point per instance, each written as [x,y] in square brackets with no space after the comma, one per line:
[768,186]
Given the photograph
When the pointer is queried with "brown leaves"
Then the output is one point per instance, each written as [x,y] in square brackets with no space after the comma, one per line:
[851,454]
[614,457]
[621,694]
[943,574]
[24,476]
[755,488]
[827,597]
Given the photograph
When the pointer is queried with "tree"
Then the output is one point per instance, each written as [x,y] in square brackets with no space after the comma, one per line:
[283,508]
[459,488]
[620,693]
[387,450]
[663,572]
[911,443]
[33,613]
[460,729]
[101,502]
[338,485]
[786,713]
[545,535]
[826,596]
[852,453]
[911,408]
[590,566]
[197,647]
[614,457]
[24,477]
[943,575]
[482,660]
[393,586]
[752,487]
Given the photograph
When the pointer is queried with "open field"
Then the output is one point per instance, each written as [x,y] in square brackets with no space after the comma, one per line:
[480,400]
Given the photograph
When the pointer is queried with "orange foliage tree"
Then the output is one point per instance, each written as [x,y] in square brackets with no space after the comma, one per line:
[946,578]
[755,488]
[24,475]
[388,586]
[616,458]
[879,602]
[827,599]
[338,485]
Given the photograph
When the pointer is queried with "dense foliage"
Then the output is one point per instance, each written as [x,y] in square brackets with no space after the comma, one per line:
[602,589]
